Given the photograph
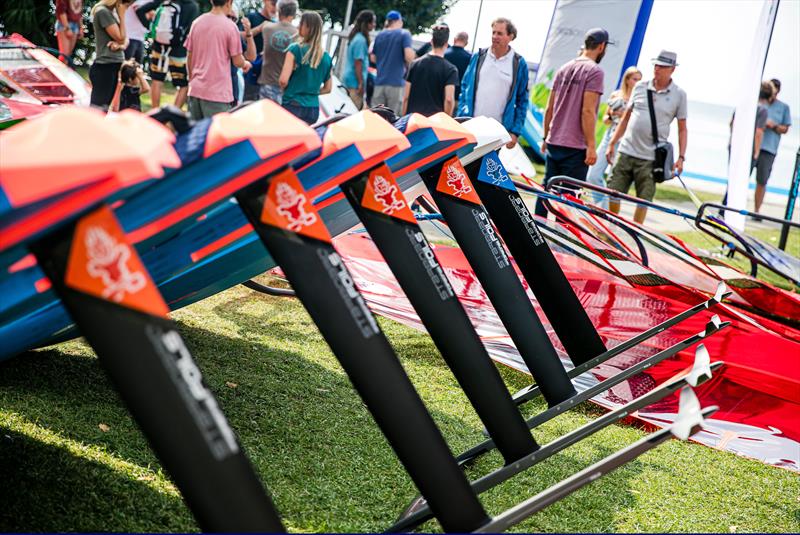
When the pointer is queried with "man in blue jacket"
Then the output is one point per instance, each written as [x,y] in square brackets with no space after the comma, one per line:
[493,73]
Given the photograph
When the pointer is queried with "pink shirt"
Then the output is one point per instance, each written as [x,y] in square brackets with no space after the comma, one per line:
[213,40]
[572,79]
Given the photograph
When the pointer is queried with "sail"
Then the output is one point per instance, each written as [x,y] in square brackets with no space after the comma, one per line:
[625,21]
[742,135]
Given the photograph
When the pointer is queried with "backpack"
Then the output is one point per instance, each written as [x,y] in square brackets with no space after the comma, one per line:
[165,27]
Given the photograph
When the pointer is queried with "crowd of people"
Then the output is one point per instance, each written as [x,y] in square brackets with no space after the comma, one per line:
[219,59]
[214,60]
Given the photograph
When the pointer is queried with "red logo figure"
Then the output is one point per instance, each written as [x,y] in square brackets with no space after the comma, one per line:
[108,261]
[291,205]
[457,180]
[386,194]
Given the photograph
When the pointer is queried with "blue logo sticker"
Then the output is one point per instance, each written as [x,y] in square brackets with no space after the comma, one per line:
[492,172]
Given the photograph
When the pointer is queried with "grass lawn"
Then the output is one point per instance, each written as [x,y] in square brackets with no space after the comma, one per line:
[71,458]
[664,193]
[771,236]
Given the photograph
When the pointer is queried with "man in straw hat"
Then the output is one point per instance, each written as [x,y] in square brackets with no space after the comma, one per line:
[637,148]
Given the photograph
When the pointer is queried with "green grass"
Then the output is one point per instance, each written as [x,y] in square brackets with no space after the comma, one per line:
[771,236]
[72,459]
[317,449]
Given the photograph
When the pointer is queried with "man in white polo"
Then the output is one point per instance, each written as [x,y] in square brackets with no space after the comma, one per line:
[637,149]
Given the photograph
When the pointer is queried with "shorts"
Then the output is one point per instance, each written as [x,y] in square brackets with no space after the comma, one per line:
[356,96]
[390,96]
[74,27]
[135,50]
[271,92]
[631,170]
[161,62]
[764,167]
[201,109]
[309,114]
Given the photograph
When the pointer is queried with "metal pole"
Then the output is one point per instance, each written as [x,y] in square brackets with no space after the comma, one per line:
[477,23]
[790,202]
[347,13]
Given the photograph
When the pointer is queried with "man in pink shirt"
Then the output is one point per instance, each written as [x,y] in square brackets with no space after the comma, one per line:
[213,43]
[571,114]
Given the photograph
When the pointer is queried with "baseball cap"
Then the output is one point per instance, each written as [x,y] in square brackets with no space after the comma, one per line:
[666,59]
[394,15]
[597,36]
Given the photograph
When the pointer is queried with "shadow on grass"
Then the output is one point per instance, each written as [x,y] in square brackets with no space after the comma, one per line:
[47,488]
[306,431]
[309,436]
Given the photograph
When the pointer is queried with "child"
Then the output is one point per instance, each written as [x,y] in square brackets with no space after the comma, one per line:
[132,85]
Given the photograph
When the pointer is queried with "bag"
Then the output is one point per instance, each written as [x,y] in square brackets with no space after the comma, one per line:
[165,28]
[665,160]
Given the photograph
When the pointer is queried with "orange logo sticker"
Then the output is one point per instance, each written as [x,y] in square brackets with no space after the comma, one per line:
[103,264]
[287,206]
[453,180]
[383,195]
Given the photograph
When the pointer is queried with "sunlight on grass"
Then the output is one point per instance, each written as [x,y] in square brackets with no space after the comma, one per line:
[318,451]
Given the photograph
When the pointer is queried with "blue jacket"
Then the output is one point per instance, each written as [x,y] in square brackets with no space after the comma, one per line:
[517,103]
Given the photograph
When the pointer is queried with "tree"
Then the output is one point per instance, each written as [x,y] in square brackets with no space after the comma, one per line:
[34,19]
[418,15]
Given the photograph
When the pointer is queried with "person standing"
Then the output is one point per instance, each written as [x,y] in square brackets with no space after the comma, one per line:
[637,148]
[277,37]
[108,20]
[391,52]
[501,72]
[258,18]
[136,31]
[458,56]
[213,43]
[249,48]
[69,27]
[779,119]
[571,114]
[431,81]
[306,72]
[356,65]
[168,30]
[617,102]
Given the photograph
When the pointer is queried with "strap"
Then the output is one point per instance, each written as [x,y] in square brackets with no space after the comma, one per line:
[652,115]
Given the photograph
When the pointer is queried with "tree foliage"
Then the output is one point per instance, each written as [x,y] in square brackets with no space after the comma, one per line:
[33,19]
[418,15]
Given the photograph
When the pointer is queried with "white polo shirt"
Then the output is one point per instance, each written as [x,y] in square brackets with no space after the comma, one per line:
[494,85]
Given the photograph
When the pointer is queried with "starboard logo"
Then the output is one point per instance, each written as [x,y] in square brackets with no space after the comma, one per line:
[495,172]
[458,181]
[386,194]
[107,260]
[291,205]
[454,181]
[383,195]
